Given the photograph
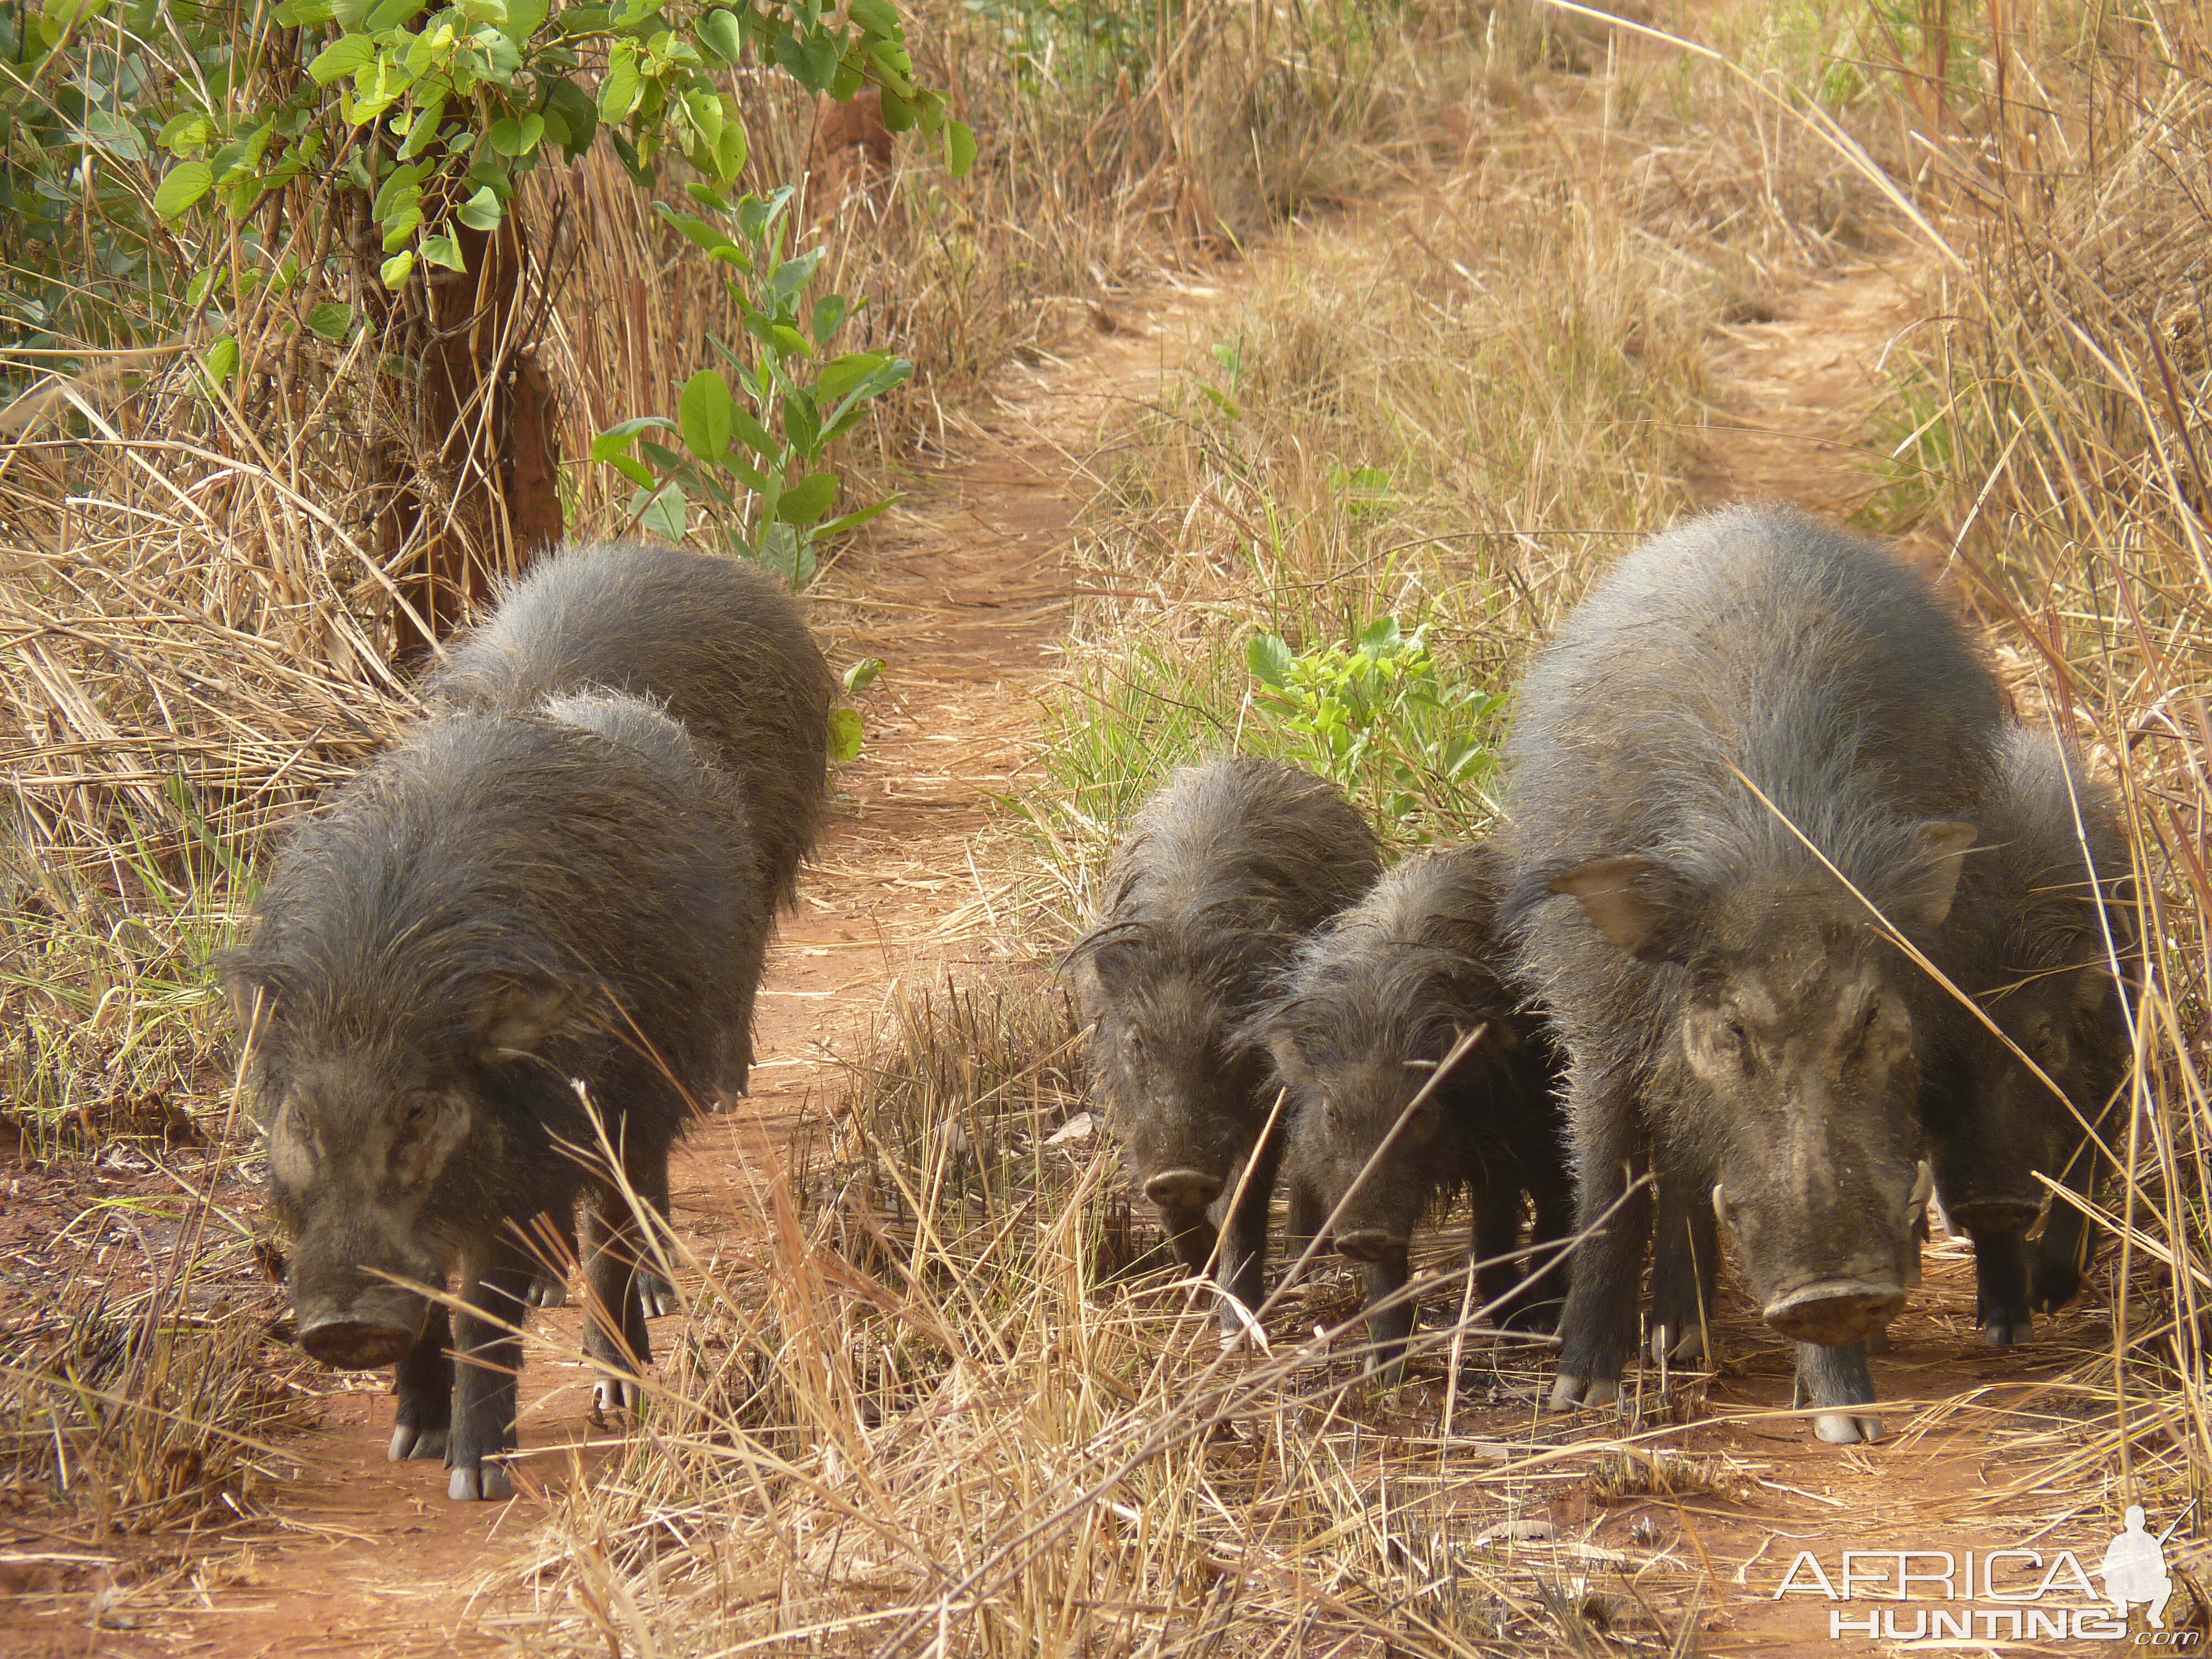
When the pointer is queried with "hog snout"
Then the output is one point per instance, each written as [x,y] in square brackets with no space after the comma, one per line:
[1834,1311]
[354,1345]
[1371,1244]
[1840,1298]
[1184,1190]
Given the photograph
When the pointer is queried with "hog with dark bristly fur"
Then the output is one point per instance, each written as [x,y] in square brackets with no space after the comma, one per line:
[566,876]
[1735,1021]
[2042,918]
[1223,874]
[1373,1004]
[717,642]
[500,905]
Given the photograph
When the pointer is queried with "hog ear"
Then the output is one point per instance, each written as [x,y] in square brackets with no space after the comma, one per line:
[247,983]
[513,1017]
[1926,901]
[1637,903]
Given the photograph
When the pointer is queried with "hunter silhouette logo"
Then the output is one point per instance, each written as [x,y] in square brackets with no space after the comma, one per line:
[2135,1568]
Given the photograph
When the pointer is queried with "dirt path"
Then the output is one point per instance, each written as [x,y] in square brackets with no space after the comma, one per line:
[1795,385]
[963,595]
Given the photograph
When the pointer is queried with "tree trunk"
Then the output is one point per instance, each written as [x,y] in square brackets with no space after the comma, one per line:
[475,494]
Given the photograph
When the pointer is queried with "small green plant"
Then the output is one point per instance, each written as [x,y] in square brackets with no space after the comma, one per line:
[753,453]
[1380,718]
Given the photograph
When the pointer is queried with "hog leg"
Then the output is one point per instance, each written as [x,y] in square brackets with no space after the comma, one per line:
[1244,1267]
[1554,1199]
[733,1043]
[1837,1377]
[1685,1266]
[425,1383]
[548,1287]
[1388,1328]
[1499,1265]
[1306,1216]
[1598,1328]
[2058,1259]
[497,1279]
[1191,1235]
[615,1336]
[2001,1288]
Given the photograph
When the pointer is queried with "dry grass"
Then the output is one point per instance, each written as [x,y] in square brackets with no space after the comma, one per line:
[934,1411]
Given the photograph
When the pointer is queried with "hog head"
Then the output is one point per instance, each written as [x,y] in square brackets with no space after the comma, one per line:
[1797,1039]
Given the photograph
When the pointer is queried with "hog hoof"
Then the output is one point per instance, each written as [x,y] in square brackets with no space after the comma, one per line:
[409,1441]
[2052,1285]
[1687,1349]
[619,1394]
[489,1482]
[546,1291]
[1999,1334]
[1841,1428]
[655,1296]
[1877,1340]
[1588,1393]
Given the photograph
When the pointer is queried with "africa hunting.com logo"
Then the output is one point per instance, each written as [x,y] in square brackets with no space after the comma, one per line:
[2006,1596]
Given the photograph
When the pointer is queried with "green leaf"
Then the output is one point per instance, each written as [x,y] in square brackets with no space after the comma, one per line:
[304,14]
[221,361]
[875,16]
[623,85]
[482,211]
[619,437]
[399,230]
[828,314]
[665,513]
[846,734]
[704,411]
[400,180]
[1270,660]
[898,114]
[959,149]
[424,129]
[853,520]
[523,19]
[184,186]
[755,435]
[344,56]
[571,108]
[330,321]
[720,34]
[398,268]
[186,134]
[633,468]
[805,502]
[391,14]
[863,674]
[444,251]
[783,551]
[1222,402]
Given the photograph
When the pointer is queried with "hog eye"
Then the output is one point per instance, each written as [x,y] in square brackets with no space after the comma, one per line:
[2046,1041]
[1329,1112]
[420,1110]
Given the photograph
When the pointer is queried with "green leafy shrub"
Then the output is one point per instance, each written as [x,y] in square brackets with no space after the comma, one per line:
[753,453]
[1379,717]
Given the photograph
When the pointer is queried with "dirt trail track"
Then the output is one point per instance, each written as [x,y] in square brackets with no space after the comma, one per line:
[965,597]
